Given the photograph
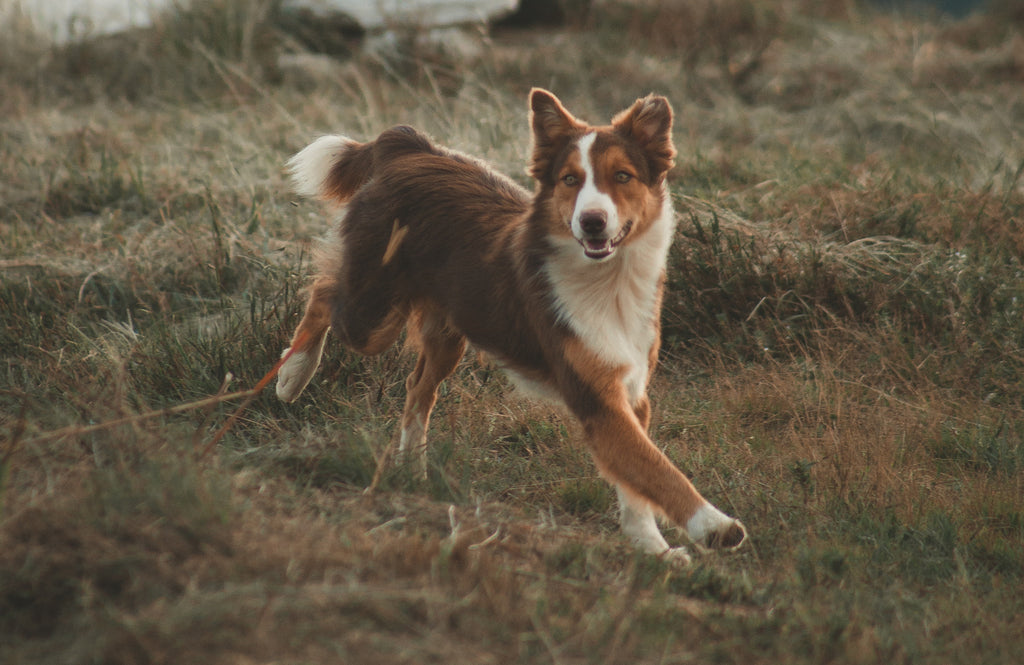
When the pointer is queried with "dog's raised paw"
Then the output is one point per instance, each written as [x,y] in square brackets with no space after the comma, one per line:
[294,375]
[296,372]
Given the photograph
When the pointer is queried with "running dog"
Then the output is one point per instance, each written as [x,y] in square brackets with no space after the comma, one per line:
[562,287]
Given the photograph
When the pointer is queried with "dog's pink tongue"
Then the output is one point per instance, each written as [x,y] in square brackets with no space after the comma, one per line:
[597,249]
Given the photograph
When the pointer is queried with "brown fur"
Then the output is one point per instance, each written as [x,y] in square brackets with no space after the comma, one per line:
[437,240]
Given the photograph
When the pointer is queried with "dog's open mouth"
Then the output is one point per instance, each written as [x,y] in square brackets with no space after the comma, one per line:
[602,248]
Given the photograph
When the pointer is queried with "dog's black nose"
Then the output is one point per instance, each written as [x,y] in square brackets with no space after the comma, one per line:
[593,222]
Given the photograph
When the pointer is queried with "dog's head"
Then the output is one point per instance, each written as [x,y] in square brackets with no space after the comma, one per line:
[603,185]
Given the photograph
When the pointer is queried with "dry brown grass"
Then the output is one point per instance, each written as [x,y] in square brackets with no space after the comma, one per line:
[841,368]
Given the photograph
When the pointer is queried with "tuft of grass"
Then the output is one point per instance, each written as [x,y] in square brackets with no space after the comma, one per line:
[120,536]
[995,449]
[587,496]
[784,295]
[344,460]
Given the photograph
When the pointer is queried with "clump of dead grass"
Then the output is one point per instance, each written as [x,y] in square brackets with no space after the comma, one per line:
[951,318]
[140,568]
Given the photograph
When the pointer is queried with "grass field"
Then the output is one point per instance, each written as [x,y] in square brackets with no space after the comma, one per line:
[842,366]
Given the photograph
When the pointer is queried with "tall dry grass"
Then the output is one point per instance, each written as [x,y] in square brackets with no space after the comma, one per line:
[841,366]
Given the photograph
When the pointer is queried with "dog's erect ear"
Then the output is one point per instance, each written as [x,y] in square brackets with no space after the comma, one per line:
[552,124]
[549,119]
[649,122]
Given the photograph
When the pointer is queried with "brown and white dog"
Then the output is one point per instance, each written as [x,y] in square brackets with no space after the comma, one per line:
[563,288]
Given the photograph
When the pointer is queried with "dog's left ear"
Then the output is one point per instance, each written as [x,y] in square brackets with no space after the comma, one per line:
[649,122]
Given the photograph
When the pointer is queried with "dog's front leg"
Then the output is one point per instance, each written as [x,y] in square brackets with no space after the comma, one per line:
[638,523]
[647,481]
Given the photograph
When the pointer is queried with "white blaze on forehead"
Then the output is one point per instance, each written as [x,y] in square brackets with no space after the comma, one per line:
[590,198]
[612,305]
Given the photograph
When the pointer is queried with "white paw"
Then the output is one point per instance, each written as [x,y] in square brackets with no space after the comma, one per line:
[711,528]
[295,374]
[729,538]
[412,446]
[300,367]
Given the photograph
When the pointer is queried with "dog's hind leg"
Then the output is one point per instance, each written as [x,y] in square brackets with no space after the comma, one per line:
[440,352]
[368,324]
[307,343]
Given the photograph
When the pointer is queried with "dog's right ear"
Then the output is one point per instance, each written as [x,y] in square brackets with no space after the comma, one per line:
[549,119]
[552,125]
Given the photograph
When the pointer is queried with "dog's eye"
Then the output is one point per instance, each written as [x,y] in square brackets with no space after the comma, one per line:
[569,180]
[622,177]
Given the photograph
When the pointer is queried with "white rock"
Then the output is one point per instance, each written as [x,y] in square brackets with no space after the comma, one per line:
[68,20]
[377,14]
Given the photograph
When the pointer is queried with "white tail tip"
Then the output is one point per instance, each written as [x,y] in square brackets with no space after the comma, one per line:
[310,167]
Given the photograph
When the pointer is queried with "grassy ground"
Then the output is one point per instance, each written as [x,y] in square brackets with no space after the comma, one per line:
[842,366]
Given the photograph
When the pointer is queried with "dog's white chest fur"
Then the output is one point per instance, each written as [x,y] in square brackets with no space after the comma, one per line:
[612,305]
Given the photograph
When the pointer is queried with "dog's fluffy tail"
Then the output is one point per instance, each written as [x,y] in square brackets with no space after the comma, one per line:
[333,168]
